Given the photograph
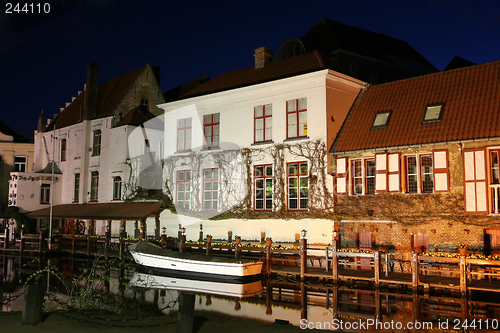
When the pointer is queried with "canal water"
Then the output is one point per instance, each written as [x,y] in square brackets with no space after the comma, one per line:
[105,288]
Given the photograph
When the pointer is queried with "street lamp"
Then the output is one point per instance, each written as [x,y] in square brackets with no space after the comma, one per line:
[164,230]
[183,230]
[303,233]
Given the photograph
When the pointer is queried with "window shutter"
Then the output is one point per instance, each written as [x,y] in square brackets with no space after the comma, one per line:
[476,201]
[342,175]
[381,172]
[394,172]
[441,170]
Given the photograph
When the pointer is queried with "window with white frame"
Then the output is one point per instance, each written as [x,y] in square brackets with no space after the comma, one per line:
[94,186]
[117,188]
[263,123]
[96,146]
[263,187]
[296,118]
[211,127]
[419,174]
[298,185]
[20,163]
[184,134]
[210,189]
[370,176]
[76,192]
[183,189]
[45,194]
[357,177]
[63,150]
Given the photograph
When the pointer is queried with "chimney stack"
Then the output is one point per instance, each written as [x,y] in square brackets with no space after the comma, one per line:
[263,55]
[90,105]
[42,122]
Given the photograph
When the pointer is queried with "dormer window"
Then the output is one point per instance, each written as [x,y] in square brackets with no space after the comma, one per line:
[433,113]
[381,120]
[144,103]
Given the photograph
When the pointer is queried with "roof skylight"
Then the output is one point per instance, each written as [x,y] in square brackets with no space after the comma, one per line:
[381,120]
[433,113]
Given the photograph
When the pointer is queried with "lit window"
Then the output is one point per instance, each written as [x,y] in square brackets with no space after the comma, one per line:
[94,186]
[296,118]
[184,134]
[210,189]
[211,130]
[96,147]
[45,194]
[370,176]
[432,113]
[20,163]
[263,123]
[117,188]
[357,177]
[76,194]
[264,187]
[419,174]
[298,185]
[381,120]
[63,150]
[183,189]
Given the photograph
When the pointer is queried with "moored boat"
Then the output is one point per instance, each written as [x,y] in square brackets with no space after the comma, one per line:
[163,261]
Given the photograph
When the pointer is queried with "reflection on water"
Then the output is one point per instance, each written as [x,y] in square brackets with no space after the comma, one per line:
[304,305]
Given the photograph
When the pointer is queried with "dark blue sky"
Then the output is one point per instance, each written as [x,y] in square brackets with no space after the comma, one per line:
[44,66]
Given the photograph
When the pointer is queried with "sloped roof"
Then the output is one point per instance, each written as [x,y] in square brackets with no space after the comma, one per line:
[471,98]
[109,96]
[328,36]
[274,70]
[101,211]
[135,117]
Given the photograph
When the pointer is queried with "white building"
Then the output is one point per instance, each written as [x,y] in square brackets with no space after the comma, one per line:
[88,142]
[251,146]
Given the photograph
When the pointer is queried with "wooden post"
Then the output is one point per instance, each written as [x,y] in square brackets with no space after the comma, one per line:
[73,244]
[303,301]
[21,246]
[303,258]
[463,275]
[209,246]
[327,262]
[335,301]
[6,239]
[415,316]
[387,263]
[335,266]
[182,247]
[268,260]
[121,248]
[378,305]
[123,233]
[376,261]
[157,226]
[88,245]
[237,251]
[414,271]
[40,244]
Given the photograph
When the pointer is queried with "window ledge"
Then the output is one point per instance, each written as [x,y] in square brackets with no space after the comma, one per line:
[183,151]
[296,139]
[210,148]
[262,143]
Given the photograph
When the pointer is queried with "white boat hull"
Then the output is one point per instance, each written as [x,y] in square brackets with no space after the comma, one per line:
[197,286]
[183,262]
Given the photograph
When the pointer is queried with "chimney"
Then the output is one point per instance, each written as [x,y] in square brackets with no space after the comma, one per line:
[90,104]
[42,122]
[263,55]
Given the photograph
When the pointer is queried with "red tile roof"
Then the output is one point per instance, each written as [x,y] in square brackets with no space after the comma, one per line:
[274,70]
[109,96]
[471,98]
[135,117]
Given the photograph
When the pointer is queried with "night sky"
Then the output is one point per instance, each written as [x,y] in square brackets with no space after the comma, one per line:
[43,66]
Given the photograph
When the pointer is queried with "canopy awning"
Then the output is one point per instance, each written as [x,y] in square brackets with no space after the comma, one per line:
[100,211]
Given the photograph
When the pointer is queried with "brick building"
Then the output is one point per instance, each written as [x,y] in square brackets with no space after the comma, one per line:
[416,163]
